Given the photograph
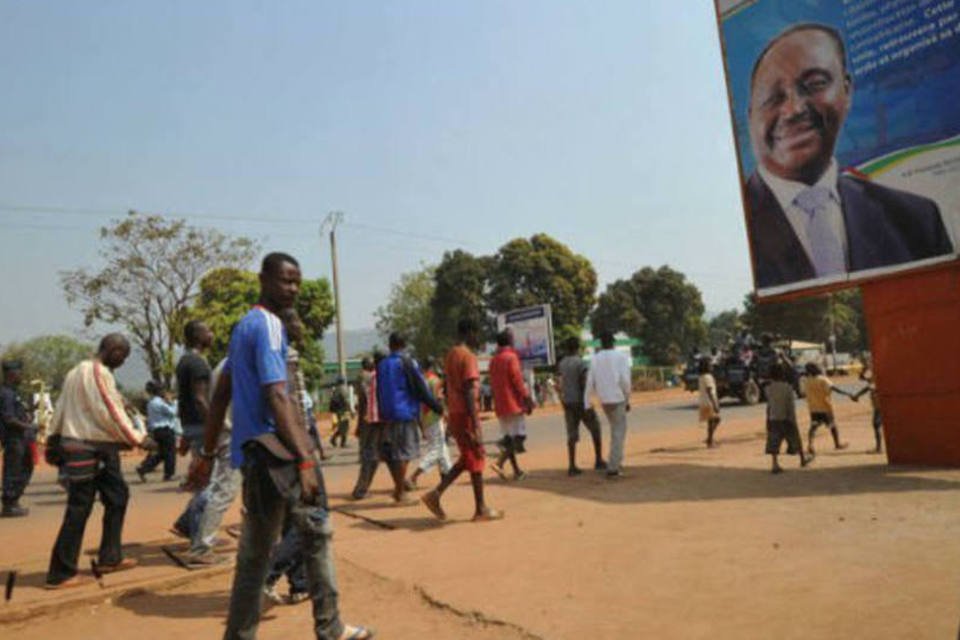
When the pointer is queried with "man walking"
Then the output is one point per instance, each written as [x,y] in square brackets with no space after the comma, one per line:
[163,427]
[205,514]
[609,378]
[281,474]
[193,385]
[193,403]
[16,434]
[401,389]
[463,381]
[511,401]
[573,383]
[369,425]
[92,427]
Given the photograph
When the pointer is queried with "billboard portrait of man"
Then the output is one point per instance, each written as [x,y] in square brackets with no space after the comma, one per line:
[806,218]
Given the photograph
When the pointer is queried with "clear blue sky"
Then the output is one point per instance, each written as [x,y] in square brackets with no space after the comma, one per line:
[460,123]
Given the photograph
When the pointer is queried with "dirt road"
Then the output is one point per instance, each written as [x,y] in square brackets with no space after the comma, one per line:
[690,544]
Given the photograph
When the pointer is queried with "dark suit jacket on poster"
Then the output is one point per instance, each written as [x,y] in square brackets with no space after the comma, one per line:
[884,227]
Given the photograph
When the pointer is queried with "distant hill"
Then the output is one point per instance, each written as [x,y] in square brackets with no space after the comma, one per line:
[134,373]
[355,342]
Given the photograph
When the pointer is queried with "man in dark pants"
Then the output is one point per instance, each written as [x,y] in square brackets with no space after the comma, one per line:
[401,389]
[369,425]
[17,432]
[163,428]
[92,426]
[573,379]
[281,474]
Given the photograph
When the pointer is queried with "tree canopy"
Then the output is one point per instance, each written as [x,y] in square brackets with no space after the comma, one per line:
[539,270]
[48,358]
[659,307]
[460,287]
[151,274]
[409,311]
[227,294]
[810,319]
[722,327]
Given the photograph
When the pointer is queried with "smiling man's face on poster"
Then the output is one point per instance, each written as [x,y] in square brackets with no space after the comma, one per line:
[799,99]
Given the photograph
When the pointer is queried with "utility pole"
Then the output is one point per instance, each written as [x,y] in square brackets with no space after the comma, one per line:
[333,219]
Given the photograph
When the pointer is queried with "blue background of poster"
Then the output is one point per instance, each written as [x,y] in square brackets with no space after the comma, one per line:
[902,104]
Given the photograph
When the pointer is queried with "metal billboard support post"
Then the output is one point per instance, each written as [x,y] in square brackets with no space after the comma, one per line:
[915,348]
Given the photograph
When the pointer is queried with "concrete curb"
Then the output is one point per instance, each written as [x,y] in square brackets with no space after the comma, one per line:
[13,613]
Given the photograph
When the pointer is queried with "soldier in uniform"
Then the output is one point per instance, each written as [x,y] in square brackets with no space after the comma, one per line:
[17,433]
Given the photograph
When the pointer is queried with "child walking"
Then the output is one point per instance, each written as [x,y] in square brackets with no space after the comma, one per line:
[709,403]
[782,420]
[818,388]
[435,449]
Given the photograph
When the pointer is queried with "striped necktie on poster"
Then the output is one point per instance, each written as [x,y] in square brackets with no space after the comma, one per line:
[826,248]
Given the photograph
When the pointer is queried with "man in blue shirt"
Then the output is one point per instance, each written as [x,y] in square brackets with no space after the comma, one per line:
[163,427]
[281,476]
[401,389]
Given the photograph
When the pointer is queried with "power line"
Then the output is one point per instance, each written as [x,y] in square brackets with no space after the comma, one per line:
[359,226]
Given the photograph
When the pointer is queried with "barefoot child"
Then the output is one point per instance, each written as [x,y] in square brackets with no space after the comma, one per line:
[818,388]
[782,420]
[867,376]
[709,403]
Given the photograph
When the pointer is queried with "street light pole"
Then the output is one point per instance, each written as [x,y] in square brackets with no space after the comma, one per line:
[332,220]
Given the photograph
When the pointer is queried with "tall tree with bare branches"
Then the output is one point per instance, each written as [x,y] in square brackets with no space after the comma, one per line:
[153,266]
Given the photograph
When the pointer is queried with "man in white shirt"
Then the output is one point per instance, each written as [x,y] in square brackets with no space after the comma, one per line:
[804,218]
[609,379]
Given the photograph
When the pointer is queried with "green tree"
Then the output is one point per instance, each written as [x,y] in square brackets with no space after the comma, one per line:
[811,319]
[152,270]
[48,358]
[541,270]
[722,327]
[409,311]
[657,306]
[227,294]
[461,283]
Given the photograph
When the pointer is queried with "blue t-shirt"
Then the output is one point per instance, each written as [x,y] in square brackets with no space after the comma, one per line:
[257,358]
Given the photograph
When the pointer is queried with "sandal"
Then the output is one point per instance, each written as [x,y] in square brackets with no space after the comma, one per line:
[69,583]
[123,565]
[356,633]
[488,515]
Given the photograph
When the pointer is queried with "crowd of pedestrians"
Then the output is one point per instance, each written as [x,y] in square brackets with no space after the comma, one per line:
[249,427]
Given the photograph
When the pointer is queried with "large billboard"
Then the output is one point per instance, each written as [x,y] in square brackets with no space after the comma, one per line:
[846,115]
[532,333]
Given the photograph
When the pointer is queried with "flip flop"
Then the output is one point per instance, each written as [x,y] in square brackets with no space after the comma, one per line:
[356,633]
[69,583]
[488,515]
[123,565]
[497,469]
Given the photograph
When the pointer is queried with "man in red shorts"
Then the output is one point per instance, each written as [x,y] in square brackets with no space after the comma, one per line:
[463,378]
